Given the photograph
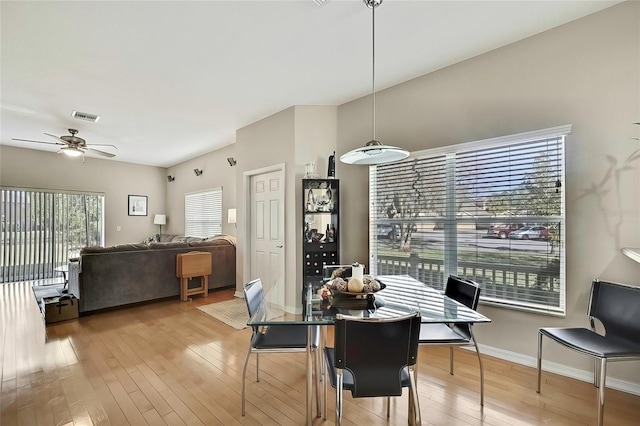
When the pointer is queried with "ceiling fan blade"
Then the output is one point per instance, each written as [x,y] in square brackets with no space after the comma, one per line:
[106,154]
[101,144]
[57,138]
[29,140]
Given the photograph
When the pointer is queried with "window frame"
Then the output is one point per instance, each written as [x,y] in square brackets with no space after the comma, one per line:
[450,248]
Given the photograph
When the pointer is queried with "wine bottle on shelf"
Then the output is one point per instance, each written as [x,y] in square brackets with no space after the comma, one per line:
[329,233]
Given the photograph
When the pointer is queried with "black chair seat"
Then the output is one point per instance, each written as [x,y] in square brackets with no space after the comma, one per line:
[592,343]
[441,334]
[348,382]
[284,337]
[617,308]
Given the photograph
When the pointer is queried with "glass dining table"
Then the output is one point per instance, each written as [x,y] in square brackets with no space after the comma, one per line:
[401,295]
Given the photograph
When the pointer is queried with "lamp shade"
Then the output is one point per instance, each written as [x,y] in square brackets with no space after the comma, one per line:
[231,216]
[374,153]
[160,219]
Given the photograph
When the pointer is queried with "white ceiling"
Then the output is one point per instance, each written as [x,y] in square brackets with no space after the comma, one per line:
[172,80]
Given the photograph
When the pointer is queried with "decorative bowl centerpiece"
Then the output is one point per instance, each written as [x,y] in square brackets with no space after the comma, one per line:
[353,286]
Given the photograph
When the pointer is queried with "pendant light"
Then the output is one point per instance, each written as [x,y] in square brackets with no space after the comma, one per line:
[374,152]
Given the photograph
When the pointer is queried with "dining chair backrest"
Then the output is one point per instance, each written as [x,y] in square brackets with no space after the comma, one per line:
[466,292]
[463,290]
[375,351]
[253,295]
[617,307]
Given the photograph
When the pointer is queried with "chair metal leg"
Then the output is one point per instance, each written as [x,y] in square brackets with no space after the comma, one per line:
[539,360]
[596,371]
[338,396]
[603,374]
[413,395]
[316,373]
[323,343]
[244,376]
[388,406]
[451,360]
[481,372]
[257,367]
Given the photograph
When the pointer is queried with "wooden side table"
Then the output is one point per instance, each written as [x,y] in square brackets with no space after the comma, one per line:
[190,265]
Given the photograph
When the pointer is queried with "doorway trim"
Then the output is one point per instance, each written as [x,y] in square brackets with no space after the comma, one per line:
[246,222]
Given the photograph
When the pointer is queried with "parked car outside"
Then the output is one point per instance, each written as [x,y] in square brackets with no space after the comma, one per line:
[503,230]
[388,231]
[531,233]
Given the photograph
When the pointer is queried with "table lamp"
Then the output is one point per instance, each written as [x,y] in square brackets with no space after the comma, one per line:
[160,219]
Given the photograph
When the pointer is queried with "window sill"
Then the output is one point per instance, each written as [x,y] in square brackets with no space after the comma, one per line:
[633,253]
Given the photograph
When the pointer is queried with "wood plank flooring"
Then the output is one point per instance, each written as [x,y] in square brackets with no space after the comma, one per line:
[167,363]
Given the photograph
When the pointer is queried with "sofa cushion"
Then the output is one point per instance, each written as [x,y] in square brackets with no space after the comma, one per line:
[193,239]
[114,249]
[209,243]
[230,239]
[168,245]
[166,238]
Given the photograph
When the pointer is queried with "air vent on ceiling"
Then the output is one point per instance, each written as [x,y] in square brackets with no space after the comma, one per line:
[85,116]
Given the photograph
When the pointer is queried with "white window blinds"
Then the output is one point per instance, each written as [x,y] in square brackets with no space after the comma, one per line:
[203,213]
[41,230]
[491,212]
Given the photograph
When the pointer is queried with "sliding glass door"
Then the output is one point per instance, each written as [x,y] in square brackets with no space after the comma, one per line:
[41,230]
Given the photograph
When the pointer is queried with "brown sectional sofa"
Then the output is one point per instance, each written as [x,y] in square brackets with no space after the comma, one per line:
[106,277]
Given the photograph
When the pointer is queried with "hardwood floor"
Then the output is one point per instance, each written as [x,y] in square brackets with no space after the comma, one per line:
[169,363]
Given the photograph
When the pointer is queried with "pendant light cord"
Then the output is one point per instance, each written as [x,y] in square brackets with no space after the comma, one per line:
[373,66]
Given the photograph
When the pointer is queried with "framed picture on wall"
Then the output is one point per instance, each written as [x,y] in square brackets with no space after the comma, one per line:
[137,205]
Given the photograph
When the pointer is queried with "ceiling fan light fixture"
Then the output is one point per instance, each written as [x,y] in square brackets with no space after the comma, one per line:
[71,151]
[374,152]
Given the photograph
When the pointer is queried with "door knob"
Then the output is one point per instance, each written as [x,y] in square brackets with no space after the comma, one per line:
[278,246]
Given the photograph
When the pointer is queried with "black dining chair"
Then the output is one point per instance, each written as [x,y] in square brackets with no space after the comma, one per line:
[466,292]
[617,308]
[374,357]
[276,338]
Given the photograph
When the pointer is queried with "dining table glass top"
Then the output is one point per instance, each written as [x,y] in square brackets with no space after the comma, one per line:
[402,295]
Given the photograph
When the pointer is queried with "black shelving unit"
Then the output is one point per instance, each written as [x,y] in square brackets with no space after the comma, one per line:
[321,228]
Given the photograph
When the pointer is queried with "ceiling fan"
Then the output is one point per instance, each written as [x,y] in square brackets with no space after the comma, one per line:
[73,145]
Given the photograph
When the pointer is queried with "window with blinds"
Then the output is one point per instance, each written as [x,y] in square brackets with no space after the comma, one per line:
[203,213]
[491,211]
[41,230]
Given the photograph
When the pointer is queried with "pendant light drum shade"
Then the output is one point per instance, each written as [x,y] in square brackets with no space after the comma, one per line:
[374,152]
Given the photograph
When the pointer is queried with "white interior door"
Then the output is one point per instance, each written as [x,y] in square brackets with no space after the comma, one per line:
[267,233]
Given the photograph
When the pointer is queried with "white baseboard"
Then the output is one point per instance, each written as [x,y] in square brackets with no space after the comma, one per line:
[557,368]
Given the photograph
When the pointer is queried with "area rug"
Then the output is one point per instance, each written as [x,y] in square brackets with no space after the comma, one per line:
[231,312]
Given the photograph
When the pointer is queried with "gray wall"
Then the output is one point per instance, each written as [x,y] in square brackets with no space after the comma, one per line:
[216,173]
[295,136]
[585,73]
[28,168]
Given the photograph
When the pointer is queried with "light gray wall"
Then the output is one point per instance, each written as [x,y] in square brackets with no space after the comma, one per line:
[585,73]
[28,168]
[295,136]
[216,173]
